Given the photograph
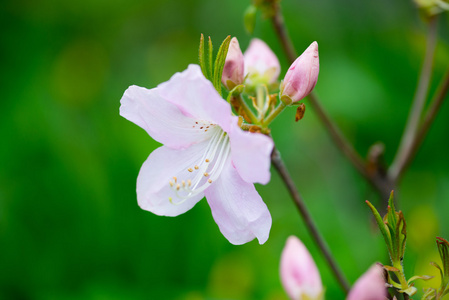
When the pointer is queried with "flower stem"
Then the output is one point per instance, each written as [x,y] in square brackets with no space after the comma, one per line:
[280,167]
[274,114]
[411,129]
[247,110]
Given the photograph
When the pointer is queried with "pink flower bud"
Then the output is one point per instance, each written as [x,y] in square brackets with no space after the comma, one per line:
[299,274]
[261,62]
[302,76]
[233,68]
[370,286]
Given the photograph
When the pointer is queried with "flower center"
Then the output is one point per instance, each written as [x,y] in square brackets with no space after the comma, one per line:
[205,171]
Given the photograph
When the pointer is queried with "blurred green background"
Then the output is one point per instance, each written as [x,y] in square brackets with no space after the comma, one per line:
[70,227]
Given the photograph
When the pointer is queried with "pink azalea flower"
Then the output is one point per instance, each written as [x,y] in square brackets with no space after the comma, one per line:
[302,76]
[204,153]
[370,286]
[261,62]
[233,68]
[299,274]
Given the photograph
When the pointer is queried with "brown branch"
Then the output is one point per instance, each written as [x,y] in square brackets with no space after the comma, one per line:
[404,153]
[430,115]
[313,230]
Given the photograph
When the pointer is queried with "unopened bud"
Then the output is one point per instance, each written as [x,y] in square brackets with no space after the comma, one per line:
[233,67]
[261,64]
[300,112]
[299,274]
[302,76]
[370,286]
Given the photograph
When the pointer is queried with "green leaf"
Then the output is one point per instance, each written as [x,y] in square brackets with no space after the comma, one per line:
[219,63]
[249,19]
[423,277]
[210,56]
[202,57]
[383,229]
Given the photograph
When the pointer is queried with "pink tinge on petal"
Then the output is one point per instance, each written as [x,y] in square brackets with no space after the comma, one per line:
[299,274]
[233,67]
[162,120]
[238,209]
[260,58]
[195,96]
[370,286]
[153,183]
[302,75]
[251,154]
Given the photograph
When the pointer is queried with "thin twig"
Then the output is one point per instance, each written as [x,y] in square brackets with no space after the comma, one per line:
[411,129]
[283,172]
[430,115]
[281,30]
[375,179]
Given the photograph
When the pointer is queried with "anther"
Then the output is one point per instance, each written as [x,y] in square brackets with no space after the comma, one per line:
[178,187]
[196,167]
[190,169]
[206,174]
[171,183]
[183,183]
[207,160]
[174,178]
[189,182]
[209,180]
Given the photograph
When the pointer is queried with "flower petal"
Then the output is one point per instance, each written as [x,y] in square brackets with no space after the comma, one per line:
[197,97]
[162,120]
[153,188]
[251,154]
[238,209]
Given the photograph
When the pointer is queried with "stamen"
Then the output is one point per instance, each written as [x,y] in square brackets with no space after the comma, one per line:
[196,167]
[190,169]
[207,160]
[174,178]
[209,180]
[183,183]
[206,174]
[171,183]
[189,182]
[178,187]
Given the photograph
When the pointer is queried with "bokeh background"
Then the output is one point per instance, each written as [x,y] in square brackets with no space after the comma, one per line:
[70,227]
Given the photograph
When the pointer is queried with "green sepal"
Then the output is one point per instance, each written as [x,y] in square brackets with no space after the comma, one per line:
[237,90]
[429,294]
[219,63]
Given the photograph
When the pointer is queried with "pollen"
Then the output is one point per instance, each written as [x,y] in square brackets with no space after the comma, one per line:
[190,169]
[206,174]
[196,167]
[209,180]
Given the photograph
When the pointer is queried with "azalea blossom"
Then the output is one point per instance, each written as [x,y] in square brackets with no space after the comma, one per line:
[299,274]
[302,76]
[301,279]
[258,65]
[204,153]
[261,62]
[370,286]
